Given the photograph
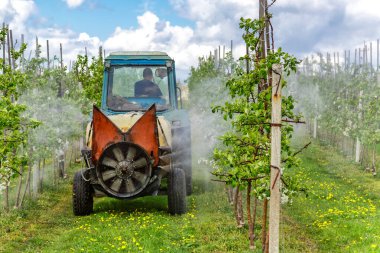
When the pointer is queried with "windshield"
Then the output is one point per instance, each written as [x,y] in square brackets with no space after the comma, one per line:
[135,88]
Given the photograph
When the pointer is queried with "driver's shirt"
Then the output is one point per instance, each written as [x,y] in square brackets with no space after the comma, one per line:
[147,88]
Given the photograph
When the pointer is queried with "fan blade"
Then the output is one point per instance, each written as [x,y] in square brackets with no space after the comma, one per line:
[139,176]
[130,186]
[118,154]
[109,162]
[140,163]
[116,184]
[131,153]
[108,175]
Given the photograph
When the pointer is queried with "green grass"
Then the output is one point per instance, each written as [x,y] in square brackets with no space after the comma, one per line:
[140,225]
[341,214]
[342,210]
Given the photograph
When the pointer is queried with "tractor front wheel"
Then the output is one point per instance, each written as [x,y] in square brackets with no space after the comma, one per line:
[177,191]
[82,194]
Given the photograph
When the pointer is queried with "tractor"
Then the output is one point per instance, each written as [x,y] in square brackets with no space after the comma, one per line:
[139,142]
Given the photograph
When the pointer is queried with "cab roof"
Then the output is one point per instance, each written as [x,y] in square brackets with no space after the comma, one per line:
[133,55]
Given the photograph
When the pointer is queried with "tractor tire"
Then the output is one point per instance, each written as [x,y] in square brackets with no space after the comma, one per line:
[82,195]
[177,191]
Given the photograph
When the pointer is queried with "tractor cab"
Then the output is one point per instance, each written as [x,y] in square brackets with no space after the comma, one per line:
[135,80]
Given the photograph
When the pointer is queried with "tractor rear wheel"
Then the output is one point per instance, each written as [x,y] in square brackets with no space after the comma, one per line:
[82,194]
[177,191]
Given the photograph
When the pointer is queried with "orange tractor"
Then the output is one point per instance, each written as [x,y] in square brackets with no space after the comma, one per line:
[139,138]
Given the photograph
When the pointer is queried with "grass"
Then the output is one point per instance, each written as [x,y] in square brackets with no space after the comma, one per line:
[341,214]
[342,210]
[140,225]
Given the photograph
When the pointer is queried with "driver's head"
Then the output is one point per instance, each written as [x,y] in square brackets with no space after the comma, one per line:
[148,74]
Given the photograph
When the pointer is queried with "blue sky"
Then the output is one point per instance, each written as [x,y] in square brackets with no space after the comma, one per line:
[187,29]
[100,17]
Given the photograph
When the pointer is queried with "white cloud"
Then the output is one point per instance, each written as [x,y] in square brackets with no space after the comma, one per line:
[72,43]
[74,3]
[153,34]
[16,13]
[300,27]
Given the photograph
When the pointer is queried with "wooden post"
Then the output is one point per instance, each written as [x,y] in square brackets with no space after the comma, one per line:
[216,57]
[9,48]
[334,64]
[262,37]
[12,59]
[60,52]
[377,61]
[345,60]
[37,50]
[22,56]
[275,195]
[355,56]
[370,55]
[246,60]
[349,58]
[338,61]
[100,52]
[219,54]
[358,144]
[47,54]
[3,46]
[233,47]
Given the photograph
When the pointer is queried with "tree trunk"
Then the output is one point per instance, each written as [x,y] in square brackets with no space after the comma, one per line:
[264,224]
[254,216]
[54,170]
[36,179]
[27,184]
[42,173]
[6,196]
[250,224]
[357,150]
[236,191]
[374,160]
[240,209]
[230,195]
[19,186]
[61,164]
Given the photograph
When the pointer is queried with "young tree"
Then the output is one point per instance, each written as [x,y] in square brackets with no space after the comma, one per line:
[244,161]
[14,126]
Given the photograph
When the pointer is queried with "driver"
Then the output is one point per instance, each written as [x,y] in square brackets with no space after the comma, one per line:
[146,87]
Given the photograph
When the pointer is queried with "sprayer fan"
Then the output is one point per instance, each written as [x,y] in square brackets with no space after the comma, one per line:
[124,169]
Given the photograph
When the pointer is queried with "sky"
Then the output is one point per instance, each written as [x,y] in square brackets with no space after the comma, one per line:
[187,29]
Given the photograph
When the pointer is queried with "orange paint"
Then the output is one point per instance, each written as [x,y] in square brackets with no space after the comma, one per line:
[143,132]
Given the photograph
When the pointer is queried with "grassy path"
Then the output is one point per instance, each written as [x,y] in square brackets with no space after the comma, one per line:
[141,225]
[340,214]
[342,210]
